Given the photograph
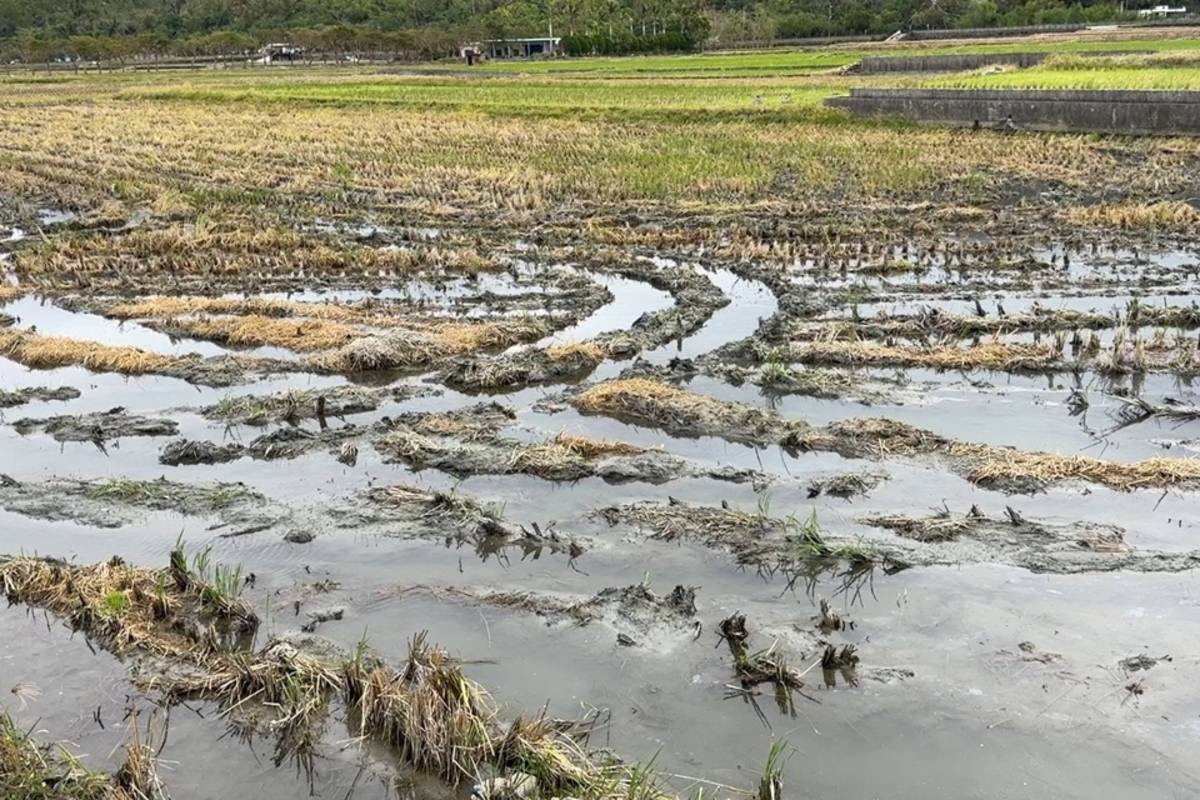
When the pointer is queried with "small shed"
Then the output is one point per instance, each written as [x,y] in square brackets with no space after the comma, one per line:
[522,48]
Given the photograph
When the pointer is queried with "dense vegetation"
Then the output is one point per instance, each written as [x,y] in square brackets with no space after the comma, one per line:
[37,30]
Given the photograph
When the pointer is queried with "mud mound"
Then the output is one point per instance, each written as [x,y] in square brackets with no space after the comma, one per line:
[116,502]
[101,426]
[39,393]
[754,538]
[636,614]
[300,404]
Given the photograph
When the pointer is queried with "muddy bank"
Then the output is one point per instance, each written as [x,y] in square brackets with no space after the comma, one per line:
[279,444]
[681,412]
[235,510]
[185,452]
[847,486]
[421,346]
[37,393]
[948,539]
[36,351]
[777,378]
[696,298]
[287,687]
[637,615]
[463,443]
[117,502]
[452,518]
[932,321]
[300,404]
[1173,354]
[1037,546]
[99,427]
[292,441]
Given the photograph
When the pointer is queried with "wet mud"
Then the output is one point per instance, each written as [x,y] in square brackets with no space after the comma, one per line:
[637,615]
[117,502]
[695,299]
[475,448]
[297,405]
[946,539]
[99,427]
[676,509]
[40,393]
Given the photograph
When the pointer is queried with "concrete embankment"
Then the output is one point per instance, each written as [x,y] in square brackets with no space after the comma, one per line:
[1120,112]
[961,62]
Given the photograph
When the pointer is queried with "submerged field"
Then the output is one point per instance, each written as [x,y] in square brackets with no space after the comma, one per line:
[631,428]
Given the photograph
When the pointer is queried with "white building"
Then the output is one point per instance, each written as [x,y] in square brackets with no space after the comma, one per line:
[522,48]
[1162,11]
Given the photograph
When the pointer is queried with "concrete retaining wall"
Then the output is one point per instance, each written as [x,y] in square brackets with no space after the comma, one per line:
[1122,112]
[948,63]
[1184,21]
[992,33]
[961,62]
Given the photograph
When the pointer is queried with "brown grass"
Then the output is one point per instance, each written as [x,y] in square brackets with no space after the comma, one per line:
[878,437]
[875,437]
[234,250]
[595,448]
[990,464]
[445,723]
[993,355]
[371,313]
[437,718]
[1169,215]
[129,608]
[580,351]
[640,396]
[549,460]
[45,352]
[29,771]
[297,686]
[684,412]
[161,307]
[420,343]
[469,337]
[449,425]
[881,438]
[305,335]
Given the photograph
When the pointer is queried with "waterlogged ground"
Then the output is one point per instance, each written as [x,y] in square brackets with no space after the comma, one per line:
[572,428]
[976,679]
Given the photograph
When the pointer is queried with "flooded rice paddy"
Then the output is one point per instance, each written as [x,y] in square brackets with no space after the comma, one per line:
[574,474]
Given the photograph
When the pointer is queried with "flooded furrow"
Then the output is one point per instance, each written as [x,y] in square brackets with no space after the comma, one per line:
[577,558]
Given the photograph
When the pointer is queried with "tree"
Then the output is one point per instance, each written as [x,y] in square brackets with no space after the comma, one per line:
[515,19]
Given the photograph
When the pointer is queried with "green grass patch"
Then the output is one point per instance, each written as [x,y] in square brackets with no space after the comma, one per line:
[1107,77]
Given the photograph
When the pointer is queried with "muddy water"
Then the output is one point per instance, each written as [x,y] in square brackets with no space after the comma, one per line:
[50,320]
[631,299]
[1017,303]
[750,303]
[979,716]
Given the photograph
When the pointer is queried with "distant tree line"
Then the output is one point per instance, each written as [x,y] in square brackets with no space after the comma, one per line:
[115,31]
[621,43]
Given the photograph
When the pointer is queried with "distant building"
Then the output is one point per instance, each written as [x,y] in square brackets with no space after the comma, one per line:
[1162,11]
[471,53]
[522,48]
[281,51]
